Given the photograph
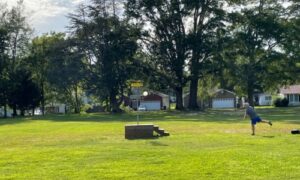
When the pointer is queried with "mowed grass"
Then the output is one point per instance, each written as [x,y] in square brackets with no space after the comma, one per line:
[207,145]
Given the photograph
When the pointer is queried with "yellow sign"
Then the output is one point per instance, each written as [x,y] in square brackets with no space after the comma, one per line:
[137,84]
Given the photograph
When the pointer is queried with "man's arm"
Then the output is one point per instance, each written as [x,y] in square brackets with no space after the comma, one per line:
[245,114]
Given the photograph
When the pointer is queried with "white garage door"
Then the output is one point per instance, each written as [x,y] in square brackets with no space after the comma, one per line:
[151,105]
[223,103]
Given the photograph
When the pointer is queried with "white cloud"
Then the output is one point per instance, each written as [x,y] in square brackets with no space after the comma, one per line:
[48,15]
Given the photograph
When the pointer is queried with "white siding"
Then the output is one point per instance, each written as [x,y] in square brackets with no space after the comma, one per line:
[219,103]
[151,105]
[265,100]
[294,99]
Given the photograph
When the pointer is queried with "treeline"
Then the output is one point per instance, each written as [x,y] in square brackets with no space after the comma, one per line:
[171,45]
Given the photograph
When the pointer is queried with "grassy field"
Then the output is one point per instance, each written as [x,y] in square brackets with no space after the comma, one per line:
[210,145]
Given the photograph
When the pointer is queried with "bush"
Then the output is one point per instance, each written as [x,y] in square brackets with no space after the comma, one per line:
[86,107]
[281,102]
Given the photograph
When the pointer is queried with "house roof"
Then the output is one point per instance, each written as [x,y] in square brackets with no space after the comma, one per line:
[158,93]
[295,89]
[224,90]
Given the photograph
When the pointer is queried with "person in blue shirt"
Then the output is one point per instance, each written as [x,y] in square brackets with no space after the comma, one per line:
[249,110]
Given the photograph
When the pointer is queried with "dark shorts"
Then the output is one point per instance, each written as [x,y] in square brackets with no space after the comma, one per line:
[255,120]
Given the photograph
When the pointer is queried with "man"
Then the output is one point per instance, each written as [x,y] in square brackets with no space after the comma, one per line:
[254,117]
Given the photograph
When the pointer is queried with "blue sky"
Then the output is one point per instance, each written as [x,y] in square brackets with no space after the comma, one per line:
[48,15]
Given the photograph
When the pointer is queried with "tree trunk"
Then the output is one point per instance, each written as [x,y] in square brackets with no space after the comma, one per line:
[14,111]
[77,108]
[114,105]
[5,111]
[43,98]
[250,92]
[22,112]
[193,99]
[179,99]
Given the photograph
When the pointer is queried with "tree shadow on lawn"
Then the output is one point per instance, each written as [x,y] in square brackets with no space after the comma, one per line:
[144,117]
[12,121]
[288,115]
[268,137]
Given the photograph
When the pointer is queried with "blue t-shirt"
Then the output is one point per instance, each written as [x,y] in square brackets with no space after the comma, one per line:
[251,113]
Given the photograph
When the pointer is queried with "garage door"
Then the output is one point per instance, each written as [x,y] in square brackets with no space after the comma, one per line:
[151,105]
[223,103]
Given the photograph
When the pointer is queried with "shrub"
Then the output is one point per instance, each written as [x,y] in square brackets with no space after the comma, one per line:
[281,102]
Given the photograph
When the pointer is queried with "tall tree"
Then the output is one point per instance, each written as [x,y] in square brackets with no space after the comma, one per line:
[207,21]
[40,52]
[19,33]
[3,58]
[66,71]
[24,92]
[292,41]
[257,32]
[110,44]
[165,39]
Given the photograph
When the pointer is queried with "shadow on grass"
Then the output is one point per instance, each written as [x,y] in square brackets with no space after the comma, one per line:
[286,115]
[140,139]
[268,137]
[12,121]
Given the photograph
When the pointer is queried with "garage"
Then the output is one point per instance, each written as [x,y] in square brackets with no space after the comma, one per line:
[223,103]
[223,99]
[151,105]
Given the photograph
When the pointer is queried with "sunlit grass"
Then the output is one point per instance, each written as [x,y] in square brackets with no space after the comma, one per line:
[210,145]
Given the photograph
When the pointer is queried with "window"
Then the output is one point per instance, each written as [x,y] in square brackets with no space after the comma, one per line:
[298,99]
[291,98]
[294,98]
[268,98]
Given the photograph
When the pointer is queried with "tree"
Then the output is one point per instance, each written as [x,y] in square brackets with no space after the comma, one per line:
[165,39]
[66,71]
[110,43]
[38,59]
[207,22]
[291,42]
[254,54]
[24,93]
[19,33]
[3,59]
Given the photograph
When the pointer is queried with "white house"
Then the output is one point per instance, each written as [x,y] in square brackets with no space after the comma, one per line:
[55,108]
[152,102]
[263,99]
[223,99]
[292,93]
[9,112]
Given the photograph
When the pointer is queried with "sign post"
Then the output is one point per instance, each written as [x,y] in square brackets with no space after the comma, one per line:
[136,89]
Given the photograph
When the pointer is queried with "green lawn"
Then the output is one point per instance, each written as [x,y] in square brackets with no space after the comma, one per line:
[211,145]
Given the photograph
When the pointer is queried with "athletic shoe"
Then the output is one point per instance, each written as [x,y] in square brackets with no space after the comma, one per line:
[270,123]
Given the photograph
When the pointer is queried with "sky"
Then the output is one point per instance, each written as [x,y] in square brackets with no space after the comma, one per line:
[48,15]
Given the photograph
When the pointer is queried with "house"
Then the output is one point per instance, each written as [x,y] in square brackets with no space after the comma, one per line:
[9,112]
[263,99]
[223,99]
[292,93]
[55,108]
[153,101]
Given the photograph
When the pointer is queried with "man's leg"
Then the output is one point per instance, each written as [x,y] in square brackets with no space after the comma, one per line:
[253,129]
[268,122]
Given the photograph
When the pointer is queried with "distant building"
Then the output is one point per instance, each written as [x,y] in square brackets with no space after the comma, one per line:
[292,93]
[152,102]
[223,99]
[263,99]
